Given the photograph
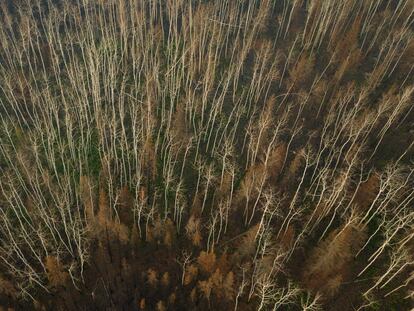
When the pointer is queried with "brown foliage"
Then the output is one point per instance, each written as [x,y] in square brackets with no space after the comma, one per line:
[407,58]
[142,304]
[192,230]
[247,245]
[349,63]
[85,190]
[228,286]
[191,273]
[126,267]
[328,263]
[165,279]
[302,70]
[294,167]
[7,288]
[348,43]
[251,182]
[223,285]
[168,239]
[143,193]
[224,263]
[56,274]
[288,237]
[158,227]
[134,236]
[152,277]
[169,233]
[104,212]
[126,204]
[217,281]
[205,288]
[197,239]
[161,306]
[265,122]
[121,231]
[149,161]
[225,186]
[207,261]
[275,162]
[172,298]
[161,232]
[179,130]
[367,192]
[149,235]
[193,294]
